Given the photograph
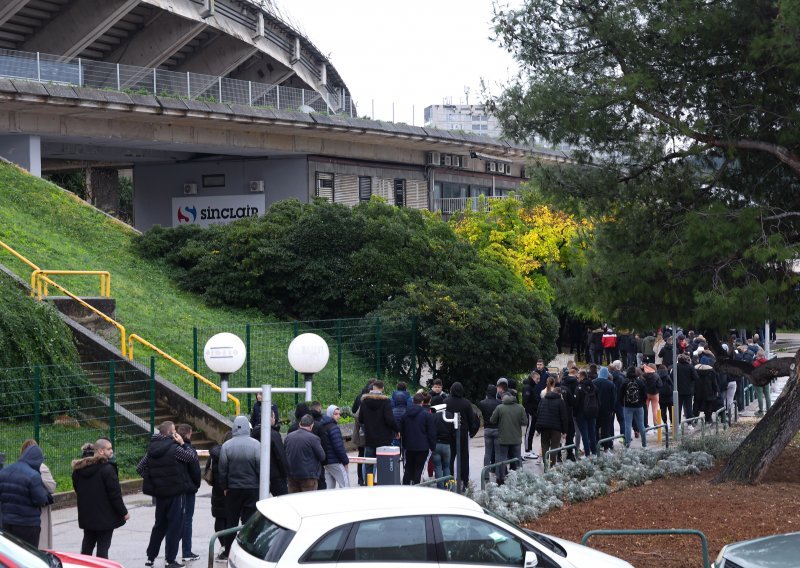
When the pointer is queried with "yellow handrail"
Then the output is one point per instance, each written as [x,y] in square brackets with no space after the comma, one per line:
[23,259]
[119,326]
[180,365]
[105,279]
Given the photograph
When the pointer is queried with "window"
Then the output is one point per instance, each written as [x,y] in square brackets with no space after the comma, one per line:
[364,188]
[473,541]
[401,539]
[400,192]
[325,186]
[214,180]
[263,539]
[327,548]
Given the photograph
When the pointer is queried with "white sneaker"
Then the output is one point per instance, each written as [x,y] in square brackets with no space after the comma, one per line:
[532,455]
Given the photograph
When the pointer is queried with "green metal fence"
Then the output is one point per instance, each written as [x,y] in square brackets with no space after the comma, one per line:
[360,348]
[62,407]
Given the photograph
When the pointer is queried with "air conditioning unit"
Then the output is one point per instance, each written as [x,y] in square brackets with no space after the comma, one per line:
[508,169]
[448,160]
[491,166]
[458,161]
[190,189]
[433,158]
[256,186]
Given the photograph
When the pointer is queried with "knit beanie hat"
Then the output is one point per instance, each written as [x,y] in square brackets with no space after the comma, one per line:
[331,409]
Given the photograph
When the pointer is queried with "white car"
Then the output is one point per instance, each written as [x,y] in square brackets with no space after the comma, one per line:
[394,526]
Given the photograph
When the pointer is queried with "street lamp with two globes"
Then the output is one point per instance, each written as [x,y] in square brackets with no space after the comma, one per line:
[225,354]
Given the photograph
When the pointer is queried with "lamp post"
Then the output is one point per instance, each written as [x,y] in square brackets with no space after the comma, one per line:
[308,354]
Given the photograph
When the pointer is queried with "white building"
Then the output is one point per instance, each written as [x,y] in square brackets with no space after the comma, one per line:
[468,118]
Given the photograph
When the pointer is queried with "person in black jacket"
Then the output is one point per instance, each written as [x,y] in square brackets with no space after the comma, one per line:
[354,409]
[469,426]
[165,476]
[569,389]
[193,470]
[487,406]
[530,402]
[218,509]
[445,437]
[278,467]
[418,431]
[100,505]
[380,427]
[255,418]
[665,395]
[552,420]
[333,444]
[633,396]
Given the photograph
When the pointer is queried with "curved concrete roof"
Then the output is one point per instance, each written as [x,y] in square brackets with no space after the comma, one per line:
[241,39]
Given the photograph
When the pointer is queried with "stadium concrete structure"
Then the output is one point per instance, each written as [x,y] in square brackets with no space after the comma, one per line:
[220,107]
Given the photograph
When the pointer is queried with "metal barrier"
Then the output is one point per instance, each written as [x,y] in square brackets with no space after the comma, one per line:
[749,394]
[133,337]
[622,532]
[601,441]
[41,288]
[485,469]
[716,414]
[215,537]
[546,457]
[438,480]
[658,427]
[695,419]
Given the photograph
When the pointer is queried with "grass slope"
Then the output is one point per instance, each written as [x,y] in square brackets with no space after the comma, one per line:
[56,230]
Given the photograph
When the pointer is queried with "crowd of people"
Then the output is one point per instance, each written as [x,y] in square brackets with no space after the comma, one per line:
[628,379]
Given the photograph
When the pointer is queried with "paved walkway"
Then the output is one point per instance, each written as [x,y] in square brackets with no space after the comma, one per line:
[129,542]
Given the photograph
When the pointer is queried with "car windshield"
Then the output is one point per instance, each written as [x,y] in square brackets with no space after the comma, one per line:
[548,543]
[263,539]
[26,555]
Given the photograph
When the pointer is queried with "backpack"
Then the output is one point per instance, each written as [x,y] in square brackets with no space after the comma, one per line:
[590,406]
[632,395]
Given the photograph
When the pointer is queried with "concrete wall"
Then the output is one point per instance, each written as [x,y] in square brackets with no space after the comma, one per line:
[25,151]
[156,185]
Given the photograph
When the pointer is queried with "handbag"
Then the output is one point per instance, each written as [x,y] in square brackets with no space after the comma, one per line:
[208,472]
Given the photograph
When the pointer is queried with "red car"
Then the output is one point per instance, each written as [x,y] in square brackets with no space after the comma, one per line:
[15,553]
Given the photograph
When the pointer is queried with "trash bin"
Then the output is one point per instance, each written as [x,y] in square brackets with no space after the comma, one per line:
[388,464]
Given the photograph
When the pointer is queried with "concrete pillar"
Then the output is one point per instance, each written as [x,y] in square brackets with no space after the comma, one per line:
[102,189]
[23,150]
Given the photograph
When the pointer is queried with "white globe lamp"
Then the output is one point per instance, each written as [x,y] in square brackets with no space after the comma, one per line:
[308,354]
[224,353]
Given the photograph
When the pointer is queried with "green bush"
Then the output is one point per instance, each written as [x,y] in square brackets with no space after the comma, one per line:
[32,334]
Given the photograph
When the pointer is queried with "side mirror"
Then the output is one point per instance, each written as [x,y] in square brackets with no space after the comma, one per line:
[531,559]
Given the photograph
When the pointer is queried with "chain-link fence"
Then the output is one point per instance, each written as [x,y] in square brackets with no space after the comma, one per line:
[62,407]
[359,349]
[46,68]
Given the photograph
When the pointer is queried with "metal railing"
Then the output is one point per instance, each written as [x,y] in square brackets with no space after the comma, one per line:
[623,532]
[218,536]
[601,441]
[485,469]
[481,203]
[45,68]
[658,427]
[133,337]
[546,456]
[41,287]
[690,421]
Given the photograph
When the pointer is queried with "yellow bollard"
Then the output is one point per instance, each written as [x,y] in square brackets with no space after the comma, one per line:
[370,481]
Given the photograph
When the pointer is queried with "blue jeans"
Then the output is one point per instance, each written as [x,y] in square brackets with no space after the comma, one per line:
[188,515]
[489,447]
[631,414]
[588,428]
[441,461]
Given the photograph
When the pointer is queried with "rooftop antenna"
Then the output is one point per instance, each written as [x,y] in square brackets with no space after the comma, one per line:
[466,93]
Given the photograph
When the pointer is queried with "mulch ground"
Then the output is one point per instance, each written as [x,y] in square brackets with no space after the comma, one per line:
[724,513]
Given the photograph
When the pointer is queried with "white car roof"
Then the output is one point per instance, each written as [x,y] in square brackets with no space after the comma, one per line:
[289,510]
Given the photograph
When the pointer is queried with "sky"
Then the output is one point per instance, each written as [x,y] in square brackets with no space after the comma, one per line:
[412,53]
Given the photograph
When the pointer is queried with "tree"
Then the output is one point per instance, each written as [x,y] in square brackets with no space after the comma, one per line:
[524,235]
[684,121]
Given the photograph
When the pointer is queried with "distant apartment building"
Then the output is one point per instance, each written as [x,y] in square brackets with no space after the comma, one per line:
[468,118]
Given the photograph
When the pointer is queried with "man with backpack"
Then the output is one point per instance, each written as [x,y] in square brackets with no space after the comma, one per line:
[587,409]
[632,396]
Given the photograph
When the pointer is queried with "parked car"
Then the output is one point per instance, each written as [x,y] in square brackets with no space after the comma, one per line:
[15,553]
[778,551]
[396,525]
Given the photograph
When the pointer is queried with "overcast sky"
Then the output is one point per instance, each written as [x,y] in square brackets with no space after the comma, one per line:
[412,52]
